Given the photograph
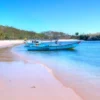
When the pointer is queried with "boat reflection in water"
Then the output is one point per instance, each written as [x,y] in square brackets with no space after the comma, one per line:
[38,45]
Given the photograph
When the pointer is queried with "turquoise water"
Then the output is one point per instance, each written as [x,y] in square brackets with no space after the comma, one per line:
[78,69]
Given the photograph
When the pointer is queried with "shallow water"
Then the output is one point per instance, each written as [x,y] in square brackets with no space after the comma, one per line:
[78,69]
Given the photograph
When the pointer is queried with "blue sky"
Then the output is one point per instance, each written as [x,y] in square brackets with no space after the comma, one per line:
[68,16]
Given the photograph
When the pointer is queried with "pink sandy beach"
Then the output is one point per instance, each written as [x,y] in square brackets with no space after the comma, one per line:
[20,80]
[8,43]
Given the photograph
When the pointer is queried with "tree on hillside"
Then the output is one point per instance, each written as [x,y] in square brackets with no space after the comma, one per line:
[76,33]
[1,36]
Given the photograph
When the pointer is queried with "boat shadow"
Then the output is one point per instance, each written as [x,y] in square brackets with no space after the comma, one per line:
[54,51]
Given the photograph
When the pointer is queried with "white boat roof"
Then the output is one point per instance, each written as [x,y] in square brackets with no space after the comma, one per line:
[62,40]
[59,40]
[68,40]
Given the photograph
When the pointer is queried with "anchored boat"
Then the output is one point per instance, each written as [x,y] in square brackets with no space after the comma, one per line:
[37,45]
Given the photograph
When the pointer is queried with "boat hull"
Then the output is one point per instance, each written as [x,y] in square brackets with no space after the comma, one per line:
[52,47]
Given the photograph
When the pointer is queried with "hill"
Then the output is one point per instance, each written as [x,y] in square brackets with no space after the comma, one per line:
[12,33]
[7,32]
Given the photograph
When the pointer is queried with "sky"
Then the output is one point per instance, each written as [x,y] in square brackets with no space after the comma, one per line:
[67,16]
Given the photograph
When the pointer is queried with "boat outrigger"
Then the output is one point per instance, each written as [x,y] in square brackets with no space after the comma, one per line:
[37,45]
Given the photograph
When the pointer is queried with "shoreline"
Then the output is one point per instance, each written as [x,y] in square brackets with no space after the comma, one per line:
[61,92]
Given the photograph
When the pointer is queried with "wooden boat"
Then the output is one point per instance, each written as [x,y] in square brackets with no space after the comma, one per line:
[51,45]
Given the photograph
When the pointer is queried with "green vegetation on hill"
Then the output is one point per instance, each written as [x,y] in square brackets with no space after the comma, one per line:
[89,37]
[11,33]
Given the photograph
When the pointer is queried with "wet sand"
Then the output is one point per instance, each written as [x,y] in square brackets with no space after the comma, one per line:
[21,80]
